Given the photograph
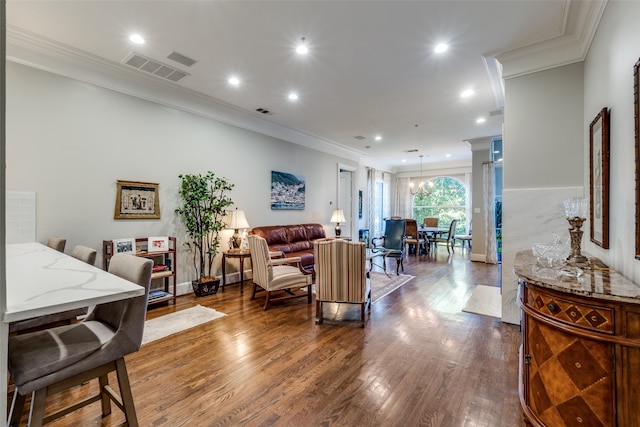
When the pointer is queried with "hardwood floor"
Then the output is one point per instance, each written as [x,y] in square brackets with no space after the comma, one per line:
[419,361]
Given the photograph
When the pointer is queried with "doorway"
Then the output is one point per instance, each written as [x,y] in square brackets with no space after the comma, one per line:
[345,199]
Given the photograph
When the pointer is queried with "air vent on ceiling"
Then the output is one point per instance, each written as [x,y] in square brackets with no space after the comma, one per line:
[496,113]
[411,150]
[154,67]
[263,111]
[181,59]
[360,137]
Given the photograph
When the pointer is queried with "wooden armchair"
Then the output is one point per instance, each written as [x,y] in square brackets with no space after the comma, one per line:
[277,274]
[341,275]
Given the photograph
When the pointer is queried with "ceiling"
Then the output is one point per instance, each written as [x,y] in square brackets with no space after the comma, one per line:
[371,69]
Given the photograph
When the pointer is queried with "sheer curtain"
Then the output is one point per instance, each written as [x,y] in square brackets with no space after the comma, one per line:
[488,189]
[468,179]
[371,199]
[386,187]
[402,205]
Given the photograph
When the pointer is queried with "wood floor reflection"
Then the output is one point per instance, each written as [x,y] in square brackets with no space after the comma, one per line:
[419,361]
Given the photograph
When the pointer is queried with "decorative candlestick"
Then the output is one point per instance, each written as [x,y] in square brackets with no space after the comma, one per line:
[576,209]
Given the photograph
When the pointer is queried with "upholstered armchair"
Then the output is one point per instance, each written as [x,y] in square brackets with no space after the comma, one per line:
[341,275]
[277,274]
[392,243]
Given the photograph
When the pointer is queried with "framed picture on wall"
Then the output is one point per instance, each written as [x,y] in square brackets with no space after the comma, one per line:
[599,178]
[636,116]
[287,191]
[137,200]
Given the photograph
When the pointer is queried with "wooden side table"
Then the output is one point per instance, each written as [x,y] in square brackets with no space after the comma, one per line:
[241,254]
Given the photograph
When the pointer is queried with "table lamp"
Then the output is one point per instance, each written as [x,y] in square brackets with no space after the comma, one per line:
[338,216]
[236,220]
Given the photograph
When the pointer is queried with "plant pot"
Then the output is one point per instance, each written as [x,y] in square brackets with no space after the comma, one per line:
[209,287]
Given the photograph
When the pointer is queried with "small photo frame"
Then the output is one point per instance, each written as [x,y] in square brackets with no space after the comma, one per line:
[124,246]
[137,200]
[158,244]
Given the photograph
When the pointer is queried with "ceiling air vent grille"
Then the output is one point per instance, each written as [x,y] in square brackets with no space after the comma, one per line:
[181,59]
[411,150]
[154,67]
[360,137]
[263,111]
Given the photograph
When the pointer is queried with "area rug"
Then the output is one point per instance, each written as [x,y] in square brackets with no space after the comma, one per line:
[382,285]
[485,300]
[179,321]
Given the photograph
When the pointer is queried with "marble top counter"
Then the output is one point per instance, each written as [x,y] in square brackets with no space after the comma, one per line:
[41,280]
[601,283]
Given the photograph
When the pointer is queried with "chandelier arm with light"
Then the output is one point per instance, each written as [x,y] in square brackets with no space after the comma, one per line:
[421,186]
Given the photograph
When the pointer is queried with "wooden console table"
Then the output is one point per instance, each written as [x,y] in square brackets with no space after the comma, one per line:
[580,353]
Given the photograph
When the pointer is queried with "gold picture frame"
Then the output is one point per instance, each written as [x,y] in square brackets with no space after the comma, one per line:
[137,200]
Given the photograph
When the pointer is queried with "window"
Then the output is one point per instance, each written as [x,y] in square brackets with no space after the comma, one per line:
[446,201]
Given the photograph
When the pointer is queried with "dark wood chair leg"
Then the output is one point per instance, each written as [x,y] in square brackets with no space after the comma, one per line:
[268,302]
[125,393]
[36,414]
[17,405]
[318,312]
[309,294]
[103,380]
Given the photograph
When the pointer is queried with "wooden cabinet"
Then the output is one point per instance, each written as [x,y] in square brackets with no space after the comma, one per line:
[580,351]
[163,279]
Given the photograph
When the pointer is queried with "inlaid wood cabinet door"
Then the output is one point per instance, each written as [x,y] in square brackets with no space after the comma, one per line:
[569,380]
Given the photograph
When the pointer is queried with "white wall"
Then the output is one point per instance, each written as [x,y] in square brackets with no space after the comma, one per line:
[70,141]
[543,164]
[608,76]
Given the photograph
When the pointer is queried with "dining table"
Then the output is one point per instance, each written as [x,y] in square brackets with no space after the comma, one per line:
[41,280]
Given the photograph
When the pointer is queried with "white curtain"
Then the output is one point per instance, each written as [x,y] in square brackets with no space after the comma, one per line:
[371,199]
[488,189]
[468,183]
[402,205]
[386,194]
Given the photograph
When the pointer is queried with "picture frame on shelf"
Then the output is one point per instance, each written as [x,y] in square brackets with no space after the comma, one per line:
[137,200]
[124,246]
[158,244]
[599,178]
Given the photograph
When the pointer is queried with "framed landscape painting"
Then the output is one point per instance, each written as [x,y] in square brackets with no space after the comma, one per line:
[287,191]
[599,178]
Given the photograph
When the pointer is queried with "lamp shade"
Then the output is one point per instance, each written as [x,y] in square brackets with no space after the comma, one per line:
[236,219]
[338,216]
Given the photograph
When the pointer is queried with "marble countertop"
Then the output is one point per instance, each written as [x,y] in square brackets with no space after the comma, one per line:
[41,280]
[604,284]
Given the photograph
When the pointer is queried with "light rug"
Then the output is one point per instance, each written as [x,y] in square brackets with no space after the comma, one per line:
[179,321]
[485,300]
[382,285]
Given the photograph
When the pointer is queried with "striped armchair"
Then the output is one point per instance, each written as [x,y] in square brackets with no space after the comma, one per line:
[341,275]
[276,274]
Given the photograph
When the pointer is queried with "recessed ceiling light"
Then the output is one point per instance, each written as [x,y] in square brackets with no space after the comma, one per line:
[302,47]
[442,47]
[447,155]
[467,93]
[136,38]
[293,96]
[378,138]
[481,120]
[234,81]
[404,160]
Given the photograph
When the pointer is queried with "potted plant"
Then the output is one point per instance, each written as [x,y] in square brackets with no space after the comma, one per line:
[204,205]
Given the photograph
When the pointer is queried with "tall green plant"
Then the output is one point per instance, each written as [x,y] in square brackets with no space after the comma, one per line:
[205,203]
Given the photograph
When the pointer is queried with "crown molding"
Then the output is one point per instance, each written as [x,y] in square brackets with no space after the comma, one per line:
[580,23]
[48,55]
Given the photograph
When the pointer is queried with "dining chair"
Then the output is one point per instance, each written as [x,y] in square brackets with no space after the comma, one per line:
[464,238]
[84,253]
[341,275]
[446,237]
[430,222]
[46,362]
[412,238]
[277,274]
[57,243]
[392,242]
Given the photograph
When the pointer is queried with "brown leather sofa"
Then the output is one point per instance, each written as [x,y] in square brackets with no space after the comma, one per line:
[292,240]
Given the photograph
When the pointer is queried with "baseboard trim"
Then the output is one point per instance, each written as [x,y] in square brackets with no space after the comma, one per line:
[478,257]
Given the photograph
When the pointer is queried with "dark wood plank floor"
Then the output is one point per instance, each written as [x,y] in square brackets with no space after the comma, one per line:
[420,361]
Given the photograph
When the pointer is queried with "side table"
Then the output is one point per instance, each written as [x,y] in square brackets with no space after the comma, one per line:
[241,254]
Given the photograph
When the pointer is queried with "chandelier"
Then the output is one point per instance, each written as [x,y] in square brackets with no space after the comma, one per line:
[424,188]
